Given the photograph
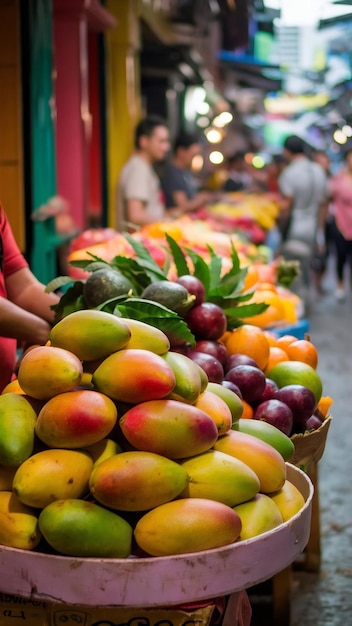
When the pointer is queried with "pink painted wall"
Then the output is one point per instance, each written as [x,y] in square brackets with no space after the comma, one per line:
[73,118]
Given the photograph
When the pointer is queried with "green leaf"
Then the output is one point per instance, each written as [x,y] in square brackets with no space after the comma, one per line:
[159,316]
[144,258]
[70,301]
[215,268]
[178,256]
[84,263]
[236,266]
[59,281]
[201,269]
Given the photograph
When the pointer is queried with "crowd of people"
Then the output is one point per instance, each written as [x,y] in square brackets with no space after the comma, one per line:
[157,184]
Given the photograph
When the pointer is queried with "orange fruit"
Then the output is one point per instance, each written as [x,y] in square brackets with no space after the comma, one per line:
[271,337]
[276,355]
[248,411]
[285,340]
[303,350]
[324,405]
[251,278]
[13,387]
[273,315]
[249,340]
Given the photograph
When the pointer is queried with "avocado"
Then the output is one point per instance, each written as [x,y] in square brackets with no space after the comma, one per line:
[104,284]
[170,294]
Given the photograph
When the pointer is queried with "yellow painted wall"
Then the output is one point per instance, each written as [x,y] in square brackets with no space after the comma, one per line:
[123,91]
[11,157]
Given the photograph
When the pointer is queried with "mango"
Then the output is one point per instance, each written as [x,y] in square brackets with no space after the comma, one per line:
[204,380]
[18,523]
[260,456]
[137,481]
[216,407]
[258,516]
[17,423]
[90,334]
[188,381]
[173,429]
[134,376]
[46,371]
[13,387]
[103,450]
[6,477]
[232,400]
[84,529]
[289,500]
[218,476]
[52,475]
[76,419]
[269,433]
[187,525]
[146,337]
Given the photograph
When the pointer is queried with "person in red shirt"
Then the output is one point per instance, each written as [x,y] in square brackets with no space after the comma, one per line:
[25,313]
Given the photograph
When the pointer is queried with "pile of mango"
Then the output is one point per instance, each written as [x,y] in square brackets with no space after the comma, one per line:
[112,445]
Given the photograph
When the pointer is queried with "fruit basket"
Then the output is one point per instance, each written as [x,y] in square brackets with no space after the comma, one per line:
[309,446]
[159,581]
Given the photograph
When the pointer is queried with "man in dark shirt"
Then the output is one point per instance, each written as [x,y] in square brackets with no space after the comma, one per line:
[177,182]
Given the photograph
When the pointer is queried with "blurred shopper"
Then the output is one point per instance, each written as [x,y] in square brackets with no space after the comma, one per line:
[25,313]
[239,178]
[303,189]
[177,182]
[341,227]
[139,196]
[324,241]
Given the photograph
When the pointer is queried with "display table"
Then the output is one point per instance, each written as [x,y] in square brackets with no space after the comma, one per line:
[159,581]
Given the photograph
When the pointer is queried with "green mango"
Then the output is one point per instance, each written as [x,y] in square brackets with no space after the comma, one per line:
[84,529]
[188,380]
[268,433]
[17,422]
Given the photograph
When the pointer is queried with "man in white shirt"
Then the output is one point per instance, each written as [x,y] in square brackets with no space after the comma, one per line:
[139,196]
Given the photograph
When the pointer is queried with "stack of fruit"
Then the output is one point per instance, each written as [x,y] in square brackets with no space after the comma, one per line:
[113,444]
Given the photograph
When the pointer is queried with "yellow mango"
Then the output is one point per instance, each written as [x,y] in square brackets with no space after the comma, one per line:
[146,337]
[52,475]
[103,450]
[18,523]
[216,407]
[17,424]
[218,476]
[259,455]
[289,500]
[258,516]
[90,334]
[187,525]
[137,481]
[46,371]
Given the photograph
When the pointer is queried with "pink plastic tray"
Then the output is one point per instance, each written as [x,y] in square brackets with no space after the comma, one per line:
[161,581]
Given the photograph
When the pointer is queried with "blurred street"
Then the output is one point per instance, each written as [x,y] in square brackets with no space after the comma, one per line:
[324,598]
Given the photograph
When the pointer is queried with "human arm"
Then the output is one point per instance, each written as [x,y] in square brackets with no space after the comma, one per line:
[26,314]
[184,204]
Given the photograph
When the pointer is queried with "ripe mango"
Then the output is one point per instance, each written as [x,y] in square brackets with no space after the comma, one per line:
[76,419]
[232,400]
[269,433]
[17,423]
[52,475]
[134,376]
[83,529]
[258,516]
[260,456]
[90,334]
[218,476]
[216,407]
[18,523]
[187,525]
[46,371]
[289,500]
[103,450]
[13,387]
[188,381]
[137,481]
[146,337]
[173,429]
